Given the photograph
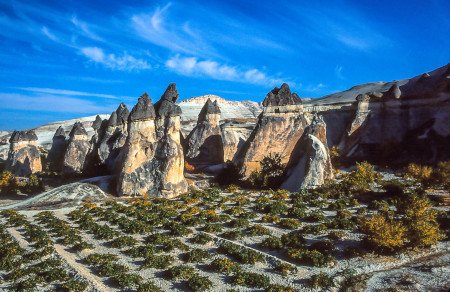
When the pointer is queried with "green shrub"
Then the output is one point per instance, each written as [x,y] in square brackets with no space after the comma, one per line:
[75,285]
[362,178]
[289,223]
[258,230]
[111,269]
[310,257]
[148,286]
[383,233]
[272,243]
[199,283]
[293,239]
[157,262]
[224,265]
[239,223]
[201,238]
[127,280]
[180,273]
[232,234]
[271,173]
[242,254]
[251,280]
[196,255]
[321,281]
[213,228]
[285,269]
[123,241]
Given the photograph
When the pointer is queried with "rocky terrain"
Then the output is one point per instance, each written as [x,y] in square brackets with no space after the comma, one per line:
[313,215]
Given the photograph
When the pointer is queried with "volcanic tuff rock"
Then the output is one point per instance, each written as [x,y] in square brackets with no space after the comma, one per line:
[310,163]
[410,122]
[234,135]
[56,154]
[77,150]
[204,144]
[279,127]
[153,160]
[24,157]
[113,138]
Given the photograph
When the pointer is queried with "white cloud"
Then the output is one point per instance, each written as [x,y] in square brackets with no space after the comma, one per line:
[338,72]
[84,28]
[111,61]
[57,103]
[56,91]
[48,34]
[191,66]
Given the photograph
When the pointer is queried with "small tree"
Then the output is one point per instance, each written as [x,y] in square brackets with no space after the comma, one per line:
[361,178]
[271,173]
[383,232]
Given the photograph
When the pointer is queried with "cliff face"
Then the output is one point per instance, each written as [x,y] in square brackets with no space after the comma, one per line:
[24,157]
[406,123]
[204,144]
[277,131]
[56,154]
[234,136]
[113,138]
[310,163]
[153,159]
[77,150]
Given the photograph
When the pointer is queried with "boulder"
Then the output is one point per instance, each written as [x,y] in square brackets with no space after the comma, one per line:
[277,131]
[310,164]
[152,157]
[24,157]
[55,156]
[204,144]
[77,150]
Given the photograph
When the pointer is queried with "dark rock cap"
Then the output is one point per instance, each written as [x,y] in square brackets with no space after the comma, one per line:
[78,129]
[394,92]
[208,109]
[166,106]
[97,123]
[281,96]
[18,136]
[60,133]
[143,109]
[120,116]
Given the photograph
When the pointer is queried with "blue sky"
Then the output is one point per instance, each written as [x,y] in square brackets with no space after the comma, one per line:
[67,59]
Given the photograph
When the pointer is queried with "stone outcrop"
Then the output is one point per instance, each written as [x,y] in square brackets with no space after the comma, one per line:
[277,131]
[409,122]
[153,159]
[234,136]
[204,144]
[56,154]
[77,150]
[24,157]
[310,163]
[113,138]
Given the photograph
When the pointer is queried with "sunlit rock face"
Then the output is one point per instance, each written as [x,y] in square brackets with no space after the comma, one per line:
[24,157]
[277,131]
[113,138]
[234,136]
[77,151]
[310,163]
[152,157]
[55,156]
[409,122]
[204,144]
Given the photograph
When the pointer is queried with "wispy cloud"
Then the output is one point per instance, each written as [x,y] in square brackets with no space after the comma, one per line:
[48,34]
[192,66]
[111,61]
[62,104]
[56,91]
[172,35]
[338,72]
[84,29]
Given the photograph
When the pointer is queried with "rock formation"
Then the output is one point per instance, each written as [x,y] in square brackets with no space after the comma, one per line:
[204,144]
[279,127]
[77,150]
[310,163]
[153,159]
[56,154]
[409,122]
[24,157]
[234,135]
[113,138]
